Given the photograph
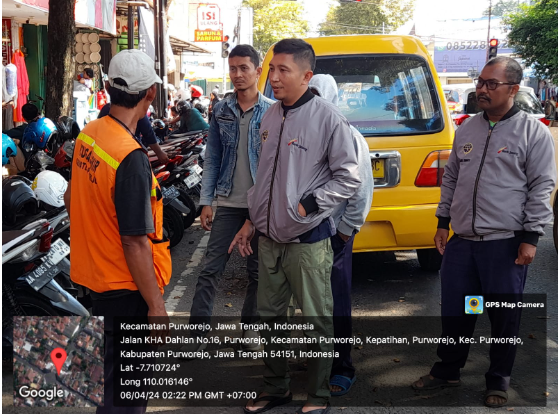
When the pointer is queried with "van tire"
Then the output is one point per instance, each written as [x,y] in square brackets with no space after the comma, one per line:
[429,259]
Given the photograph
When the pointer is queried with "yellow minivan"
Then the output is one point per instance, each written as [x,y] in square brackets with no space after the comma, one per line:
[390,92]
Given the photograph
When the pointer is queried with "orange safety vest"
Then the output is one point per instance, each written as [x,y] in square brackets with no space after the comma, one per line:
[98,260]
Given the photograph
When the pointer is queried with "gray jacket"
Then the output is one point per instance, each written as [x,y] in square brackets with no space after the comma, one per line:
[306,157]
[350,215]
[498,180]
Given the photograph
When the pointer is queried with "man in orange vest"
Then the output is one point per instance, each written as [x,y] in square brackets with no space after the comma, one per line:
[115,203]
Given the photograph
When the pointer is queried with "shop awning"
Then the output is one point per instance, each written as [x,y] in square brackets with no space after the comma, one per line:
[36,12]
[179,46]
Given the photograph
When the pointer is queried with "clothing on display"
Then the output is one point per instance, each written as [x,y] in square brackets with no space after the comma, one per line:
[22,84]
[11,79]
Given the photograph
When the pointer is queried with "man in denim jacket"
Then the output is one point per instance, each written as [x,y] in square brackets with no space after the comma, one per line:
[232,154]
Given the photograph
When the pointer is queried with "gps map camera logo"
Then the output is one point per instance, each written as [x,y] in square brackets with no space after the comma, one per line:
[474,305]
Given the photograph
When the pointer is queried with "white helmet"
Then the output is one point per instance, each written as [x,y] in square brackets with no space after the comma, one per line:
[49,187]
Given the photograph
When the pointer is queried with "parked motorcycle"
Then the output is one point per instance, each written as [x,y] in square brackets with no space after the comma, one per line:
[35,279]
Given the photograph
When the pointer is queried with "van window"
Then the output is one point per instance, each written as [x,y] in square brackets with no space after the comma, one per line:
[384,94]
[524,101]
[452,96]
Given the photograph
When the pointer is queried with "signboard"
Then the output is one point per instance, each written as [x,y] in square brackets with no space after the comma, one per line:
[464,55]
[461,45]
[98,14]
[210,28]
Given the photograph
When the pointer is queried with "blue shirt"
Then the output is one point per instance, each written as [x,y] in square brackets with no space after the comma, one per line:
[144,130]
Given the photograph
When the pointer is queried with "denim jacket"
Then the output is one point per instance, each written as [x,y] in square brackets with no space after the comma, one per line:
[222,144]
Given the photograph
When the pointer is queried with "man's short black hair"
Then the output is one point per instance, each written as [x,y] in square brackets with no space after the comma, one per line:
[245,51]
[120,98]
[89,72]
[303,52]
[514,73]
[29,112]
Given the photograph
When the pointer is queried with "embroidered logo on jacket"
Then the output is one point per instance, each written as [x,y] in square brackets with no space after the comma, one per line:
[502,149]
[465,149]
[264,135]
[294,143]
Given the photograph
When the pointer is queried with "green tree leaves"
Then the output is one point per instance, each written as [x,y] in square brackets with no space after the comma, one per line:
[534,35]
[275,20]
[367,18]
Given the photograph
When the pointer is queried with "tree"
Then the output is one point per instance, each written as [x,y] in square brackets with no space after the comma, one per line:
[534,35]
[275,20]
[367,18]
[60,62]
[502,7]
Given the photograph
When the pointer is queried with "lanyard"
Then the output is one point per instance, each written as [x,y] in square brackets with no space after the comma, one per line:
[123,125]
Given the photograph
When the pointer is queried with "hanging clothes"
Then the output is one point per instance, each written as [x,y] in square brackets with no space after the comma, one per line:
[22,84]
[11,80]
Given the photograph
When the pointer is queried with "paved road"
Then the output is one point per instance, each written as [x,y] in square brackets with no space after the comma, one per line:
[384,284]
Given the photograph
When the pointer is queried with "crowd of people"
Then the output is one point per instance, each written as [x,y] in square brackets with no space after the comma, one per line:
[292,184]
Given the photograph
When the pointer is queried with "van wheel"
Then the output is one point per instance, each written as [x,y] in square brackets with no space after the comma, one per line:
[429,259]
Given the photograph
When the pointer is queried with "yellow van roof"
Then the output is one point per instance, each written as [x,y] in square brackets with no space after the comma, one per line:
[365,44]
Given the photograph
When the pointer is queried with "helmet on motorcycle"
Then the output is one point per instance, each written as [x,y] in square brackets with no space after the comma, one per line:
[182,106]
[9,149]
[38,134]
[49,187]
[158,124]
[67,127]
[17,199]
[200,108]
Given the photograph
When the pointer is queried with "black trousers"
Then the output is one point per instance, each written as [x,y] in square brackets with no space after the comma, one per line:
[480,268]
[131,304]
[341,280]
[228,221]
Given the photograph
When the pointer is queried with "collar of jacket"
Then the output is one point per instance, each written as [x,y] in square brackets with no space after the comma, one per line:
[308,95]
[514,110]
[232,101]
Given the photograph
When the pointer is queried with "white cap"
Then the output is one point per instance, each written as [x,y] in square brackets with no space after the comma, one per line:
[135,68]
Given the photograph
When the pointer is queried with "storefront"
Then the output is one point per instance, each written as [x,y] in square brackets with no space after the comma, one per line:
[25,45]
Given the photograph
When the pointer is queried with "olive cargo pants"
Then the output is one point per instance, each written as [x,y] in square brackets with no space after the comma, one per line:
[302,270]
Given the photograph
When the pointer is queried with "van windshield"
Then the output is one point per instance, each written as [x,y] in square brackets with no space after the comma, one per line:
[384,94]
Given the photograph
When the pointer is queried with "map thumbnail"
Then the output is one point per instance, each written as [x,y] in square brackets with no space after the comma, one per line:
[81,379]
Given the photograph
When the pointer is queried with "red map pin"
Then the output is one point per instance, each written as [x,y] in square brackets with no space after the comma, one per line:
[58,356]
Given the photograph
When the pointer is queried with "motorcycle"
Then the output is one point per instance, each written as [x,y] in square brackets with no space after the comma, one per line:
[35,278]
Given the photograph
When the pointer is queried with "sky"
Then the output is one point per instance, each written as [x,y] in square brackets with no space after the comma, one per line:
[426,11]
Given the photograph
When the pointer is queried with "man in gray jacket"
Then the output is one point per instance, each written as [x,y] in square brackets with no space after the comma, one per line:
[496,193]
[308,166]
[349,218]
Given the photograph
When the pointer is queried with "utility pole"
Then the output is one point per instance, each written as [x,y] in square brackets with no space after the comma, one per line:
[131,12]
[163,53]
[488,35]
[157,104]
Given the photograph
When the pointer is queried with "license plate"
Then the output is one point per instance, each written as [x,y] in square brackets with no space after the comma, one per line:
[192,180]
[58,250]
[197,169]
[48,269]
[169,193]
[42,275]
[378,168]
